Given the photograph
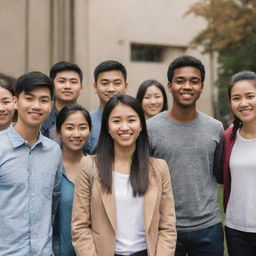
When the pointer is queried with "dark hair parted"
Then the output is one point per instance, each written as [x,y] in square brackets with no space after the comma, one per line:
[185,61]
[67,111]
[109,65]
[32,80]
[145,85]
[65,66]
[140,165]
[4,83]
[241,76]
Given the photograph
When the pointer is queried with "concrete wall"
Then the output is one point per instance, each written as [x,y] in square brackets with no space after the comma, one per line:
[37,33]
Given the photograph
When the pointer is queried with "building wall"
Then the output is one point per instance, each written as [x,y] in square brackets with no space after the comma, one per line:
[37,33]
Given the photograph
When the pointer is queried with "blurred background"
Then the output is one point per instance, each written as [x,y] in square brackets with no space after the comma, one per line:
[144,35]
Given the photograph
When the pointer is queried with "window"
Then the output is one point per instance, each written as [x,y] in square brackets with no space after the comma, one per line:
[155,53]
[150,53]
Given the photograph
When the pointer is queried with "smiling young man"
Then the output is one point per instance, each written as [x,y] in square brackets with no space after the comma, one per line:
[67,79]
[109,80]
[191,143]
[30,172]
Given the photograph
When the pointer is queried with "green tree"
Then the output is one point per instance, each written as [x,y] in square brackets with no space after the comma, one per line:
[230,31]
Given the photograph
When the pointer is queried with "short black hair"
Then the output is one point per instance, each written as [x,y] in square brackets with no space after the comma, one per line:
[143,88]
[32,80]
[185,61]
[67,111]
[4,83]
[65,66]
[109,65]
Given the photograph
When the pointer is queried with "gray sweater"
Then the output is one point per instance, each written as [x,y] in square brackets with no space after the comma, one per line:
[193,153]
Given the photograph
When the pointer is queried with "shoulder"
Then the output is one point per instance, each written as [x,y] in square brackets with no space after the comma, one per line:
[50,145]
[88,163]
[209,119]
[211,123]
[157,120]
[228,131]
[96,113]
[5,141]
[159,166]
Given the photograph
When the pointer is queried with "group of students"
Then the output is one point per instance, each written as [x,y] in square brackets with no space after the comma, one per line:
[131,177]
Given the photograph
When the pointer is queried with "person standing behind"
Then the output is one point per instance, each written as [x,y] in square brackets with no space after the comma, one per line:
[152,97]
[73,124]
[240,167]
[123,203]
[67,79]
[7,108]
[30,172]
[191,142]
[109,80]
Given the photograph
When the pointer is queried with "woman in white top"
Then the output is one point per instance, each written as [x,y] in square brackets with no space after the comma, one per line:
[240,167]
[123,203]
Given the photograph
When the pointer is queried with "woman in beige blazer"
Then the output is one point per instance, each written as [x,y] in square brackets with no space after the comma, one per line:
[123,202]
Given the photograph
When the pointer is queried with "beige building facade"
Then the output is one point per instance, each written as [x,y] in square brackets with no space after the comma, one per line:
[145,35]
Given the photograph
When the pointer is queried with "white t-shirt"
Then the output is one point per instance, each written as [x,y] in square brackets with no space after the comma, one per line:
[130,229]
[241,208]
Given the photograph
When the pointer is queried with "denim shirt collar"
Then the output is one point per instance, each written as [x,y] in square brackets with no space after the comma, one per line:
[17,140]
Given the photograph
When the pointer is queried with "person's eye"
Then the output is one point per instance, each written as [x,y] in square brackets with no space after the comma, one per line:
[7,102]
[45,100]
[180,81]
[251,97]
[83,128]
[69,128]
[235,98]
[29,98]
[194,81]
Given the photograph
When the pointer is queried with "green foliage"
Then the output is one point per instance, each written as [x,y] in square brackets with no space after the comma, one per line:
[230,31]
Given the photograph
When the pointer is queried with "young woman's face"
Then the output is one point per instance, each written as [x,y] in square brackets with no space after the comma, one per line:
[7,108]
[124,126]
[74,132]
[243,101]
[153,101]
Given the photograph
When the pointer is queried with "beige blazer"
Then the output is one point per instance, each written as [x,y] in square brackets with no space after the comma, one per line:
[93,216]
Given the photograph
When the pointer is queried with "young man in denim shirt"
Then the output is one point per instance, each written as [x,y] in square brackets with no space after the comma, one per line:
[30,172]
[67,79]
[109,80]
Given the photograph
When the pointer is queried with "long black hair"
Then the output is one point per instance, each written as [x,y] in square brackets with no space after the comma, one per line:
[241,76]
[143,88]
[139,177]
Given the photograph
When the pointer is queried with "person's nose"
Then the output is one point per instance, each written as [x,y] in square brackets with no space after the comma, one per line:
[244,102]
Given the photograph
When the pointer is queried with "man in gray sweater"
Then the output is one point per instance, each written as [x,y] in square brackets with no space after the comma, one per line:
[191,143]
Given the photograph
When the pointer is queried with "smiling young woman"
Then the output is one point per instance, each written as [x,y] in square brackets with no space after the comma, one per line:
[152,97]
[123,203]
[73,125]
[240,166]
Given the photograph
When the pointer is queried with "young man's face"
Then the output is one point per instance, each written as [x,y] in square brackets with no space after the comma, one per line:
[33,107]
[109,84]
[186,86]
[67,86]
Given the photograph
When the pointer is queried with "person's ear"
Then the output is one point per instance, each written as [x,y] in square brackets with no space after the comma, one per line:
[15,101]
[169,87]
